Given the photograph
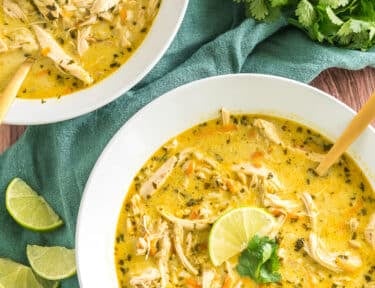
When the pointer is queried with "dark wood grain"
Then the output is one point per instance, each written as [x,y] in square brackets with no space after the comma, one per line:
[351,87]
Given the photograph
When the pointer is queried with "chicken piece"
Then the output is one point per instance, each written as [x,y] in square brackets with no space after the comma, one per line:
[83,3]
[82,39]
[311,209]
[48,8]
[322,257]
[142,247]
[260,176]
[353,224]
[370,231]
[198,224]
[136,203]
[272,200]
[225,117]
[102,5]
[146,279]
[277,227]
[211,162]
[208,277]
[22,38]
[315,248]
[163,259]
[13,10]
[158,178]
[52,50]
[268,130]
[178,236]
[3,46]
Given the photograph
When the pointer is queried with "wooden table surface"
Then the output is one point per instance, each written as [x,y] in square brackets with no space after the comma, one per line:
[351,87]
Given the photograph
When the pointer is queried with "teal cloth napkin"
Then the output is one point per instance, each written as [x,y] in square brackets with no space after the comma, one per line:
[214,39]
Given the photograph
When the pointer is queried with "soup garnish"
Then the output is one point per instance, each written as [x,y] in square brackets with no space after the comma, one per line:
[75,43]
[322,235]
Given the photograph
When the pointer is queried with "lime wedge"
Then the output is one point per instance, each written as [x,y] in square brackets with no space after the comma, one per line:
[29,209]
[232,232]
[52,263]
[15,275]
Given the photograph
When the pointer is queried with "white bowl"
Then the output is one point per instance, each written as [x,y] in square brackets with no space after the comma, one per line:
[173,113]
[160,36]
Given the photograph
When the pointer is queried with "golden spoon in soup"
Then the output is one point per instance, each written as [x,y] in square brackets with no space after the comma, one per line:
[76,42]
[322,235]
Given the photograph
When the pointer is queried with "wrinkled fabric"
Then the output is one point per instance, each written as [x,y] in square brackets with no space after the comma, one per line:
[215,38]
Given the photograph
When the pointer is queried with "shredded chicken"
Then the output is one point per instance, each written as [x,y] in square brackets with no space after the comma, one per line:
[158,178]
[178,236]
[82,39]
[22,38]
[103,5]
[260,176]
[277,227]
[272,200]
[3,46]
[53,51]
[207,278]
[146,279]
[268,130]
[311,209]
[225,117]
[353,224]
[198,224]
[48,8]
[315,248]
[370,231]
[163,258]
[13,10]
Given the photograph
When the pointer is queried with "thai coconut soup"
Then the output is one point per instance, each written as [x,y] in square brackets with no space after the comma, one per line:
[236,202]
[75,43]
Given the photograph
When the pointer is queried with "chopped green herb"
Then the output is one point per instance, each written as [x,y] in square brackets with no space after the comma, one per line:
[259,260]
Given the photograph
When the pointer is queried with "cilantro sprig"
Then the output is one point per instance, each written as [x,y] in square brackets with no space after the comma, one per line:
[344,23]
[259,260]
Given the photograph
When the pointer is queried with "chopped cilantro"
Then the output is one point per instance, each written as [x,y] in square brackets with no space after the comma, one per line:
[345,23]
[259,260]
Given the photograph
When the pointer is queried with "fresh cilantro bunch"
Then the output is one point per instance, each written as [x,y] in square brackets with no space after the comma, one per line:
[344,23]
[259,260]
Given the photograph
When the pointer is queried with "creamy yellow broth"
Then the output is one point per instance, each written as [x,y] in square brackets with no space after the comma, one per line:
[108,49]
[344,200]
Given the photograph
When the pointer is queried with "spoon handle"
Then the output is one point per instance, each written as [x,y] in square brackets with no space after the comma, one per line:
[11,90]
[354,129]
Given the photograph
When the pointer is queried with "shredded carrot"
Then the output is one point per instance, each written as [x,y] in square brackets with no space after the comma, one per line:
[192,283]
[228,282]
[190,167]
[230,186]
[42,73]
[45,51]
[123,15]
[252,133]
[256,158]
[227,128]
[194,214]
[153,249]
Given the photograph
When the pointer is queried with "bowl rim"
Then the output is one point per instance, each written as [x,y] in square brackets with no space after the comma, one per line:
[154,46]
[116,140]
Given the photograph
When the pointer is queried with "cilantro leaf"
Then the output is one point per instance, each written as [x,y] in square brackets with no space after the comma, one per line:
[259,260]
[305,13]
[344,23]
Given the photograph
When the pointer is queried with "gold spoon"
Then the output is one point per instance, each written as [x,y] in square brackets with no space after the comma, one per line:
[352,131]
[11,90]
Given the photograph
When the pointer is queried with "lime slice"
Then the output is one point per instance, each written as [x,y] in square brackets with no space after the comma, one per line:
[15,275]
[232,232]
[29,209]
[52,263]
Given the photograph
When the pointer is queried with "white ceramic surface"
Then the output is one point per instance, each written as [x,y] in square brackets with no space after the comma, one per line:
[173,113]
[160,36]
